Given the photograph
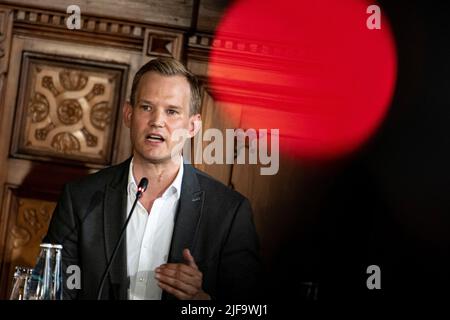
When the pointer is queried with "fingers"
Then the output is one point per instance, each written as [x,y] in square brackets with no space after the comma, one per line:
[180,267]
[175,292]
[177,273]
[183,280]
[189,258]
[186,286]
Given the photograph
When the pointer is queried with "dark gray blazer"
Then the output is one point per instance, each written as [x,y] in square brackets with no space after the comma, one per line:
[213,221]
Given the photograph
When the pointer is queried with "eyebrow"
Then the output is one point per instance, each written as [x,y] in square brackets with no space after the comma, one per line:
[145,101]
[149,102]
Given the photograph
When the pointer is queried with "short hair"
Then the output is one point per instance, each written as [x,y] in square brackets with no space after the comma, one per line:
[169,67]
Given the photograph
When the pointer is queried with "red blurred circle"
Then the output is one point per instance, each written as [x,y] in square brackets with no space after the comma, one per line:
[312,69]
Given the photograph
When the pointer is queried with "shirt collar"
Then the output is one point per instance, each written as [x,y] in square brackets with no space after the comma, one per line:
[175,186]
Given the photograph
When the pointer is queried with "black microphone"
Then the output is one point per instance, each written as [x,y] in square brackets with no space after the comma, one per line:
[140,190]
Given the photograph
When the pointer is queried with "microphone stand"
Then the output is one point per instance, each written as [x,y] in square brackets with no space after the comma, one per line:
[141,189]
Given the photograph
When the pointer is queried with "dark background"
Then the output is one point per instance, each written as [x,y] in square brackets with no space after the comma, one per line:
[388,204]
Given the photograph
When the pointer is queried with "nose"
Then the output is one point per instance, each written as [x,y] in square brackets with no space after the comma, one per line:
[157,118]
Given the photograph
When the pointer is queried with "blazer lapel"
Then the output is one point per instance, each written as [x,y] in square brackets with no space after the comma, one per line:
[114,219]
[188,215]
[187,219]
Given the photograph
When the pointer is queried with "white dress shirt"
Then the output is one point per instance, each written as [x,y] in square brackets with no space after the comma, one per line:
[149,236]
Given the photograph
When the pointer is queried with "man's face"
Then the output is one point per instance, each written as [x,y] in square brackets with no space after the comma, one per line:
[162,107]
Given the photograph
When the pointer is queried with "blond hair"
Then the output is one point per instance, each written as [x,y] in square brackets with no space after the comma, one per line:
[169,67]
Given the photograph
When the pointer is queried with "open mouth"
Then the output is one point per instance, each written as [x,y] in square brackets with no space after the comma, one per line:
[154,137]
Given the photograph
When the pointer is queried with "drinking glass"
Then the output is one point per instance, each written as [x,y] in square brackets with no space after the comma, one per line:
[46,279]
[21,279]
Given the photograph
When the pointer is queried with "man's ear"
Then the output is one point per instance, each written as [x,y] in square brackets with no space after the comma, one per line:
[127,111]
[195,124]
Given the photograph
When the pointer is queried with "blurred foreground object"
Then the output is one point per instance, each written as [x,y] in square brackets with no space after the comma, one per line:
[46,279]
[312,69]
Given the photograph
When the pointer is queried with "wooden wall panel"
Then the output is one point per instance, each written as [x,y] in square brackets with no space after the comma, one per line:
[175,13]
[159,43]
[89,56]
[62,93]
[215,116]
[210,14]
[5,38]
[67,108]
[6,22]
[27,223]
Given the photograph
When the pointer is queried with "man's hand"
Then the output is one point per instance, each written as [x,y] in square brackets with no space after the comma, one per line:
[183,280]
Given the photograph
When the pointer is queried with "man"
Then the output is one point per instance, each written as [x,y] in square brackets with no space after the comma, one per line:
[190,236]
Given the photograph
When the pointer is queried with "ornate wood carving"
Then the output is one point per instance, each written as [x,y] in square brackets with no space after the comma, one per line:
[26,226]
[236,56]
[67,108]
[130,35]
[168,12]
[240,46]
[163,44]
[5,38]
[6,21]
[50,23]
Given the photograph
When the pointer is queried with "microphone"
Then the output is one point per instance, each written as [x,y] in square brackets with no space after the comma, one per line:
[140,190]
